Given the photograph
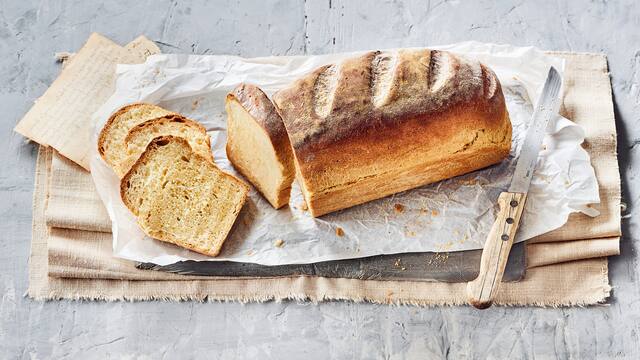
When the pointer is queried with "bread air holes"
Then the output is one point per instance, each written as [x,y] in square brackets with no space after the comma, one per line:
[162,142]
[184,158]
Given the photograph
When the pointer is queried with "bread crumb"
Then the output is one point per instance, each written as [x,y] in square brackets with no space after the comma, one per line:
[279,243]
[398,265]
[399,208]
[409,233]
[303,206]
[339,231]
[250,252]
[439,259]
[194,105]
[434,212]
[424,211]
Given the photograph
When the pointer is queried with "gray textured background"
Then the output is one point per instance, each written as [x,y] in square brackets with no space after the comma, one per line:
[31,31]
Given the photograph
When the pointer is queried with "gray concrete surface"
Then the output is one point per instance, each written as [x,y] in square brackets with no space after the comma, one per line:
[31,31]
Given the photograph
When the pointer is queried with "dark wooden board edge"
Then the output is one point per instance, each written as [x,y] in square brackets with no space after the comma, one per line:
[460,266]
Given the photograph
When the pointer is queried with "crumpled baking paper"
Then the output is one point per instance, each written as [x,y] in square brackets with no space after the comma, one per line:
[451,215]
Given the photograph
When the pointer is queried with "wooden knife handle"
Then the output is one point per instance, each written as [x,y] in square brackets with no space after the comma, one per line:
[495,253]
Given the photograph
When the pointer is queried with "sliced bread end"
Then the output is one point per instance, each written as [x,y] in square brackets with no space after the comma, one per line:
[258,145]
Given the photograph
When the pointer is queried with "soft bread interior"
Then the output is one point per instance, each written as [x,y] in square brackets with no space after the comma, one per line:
[111,143]
[180,197]
[251,151]
[139,137]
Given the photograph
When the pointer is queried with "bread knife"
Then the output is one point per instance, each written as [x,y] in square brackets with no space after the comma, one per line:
[495,252]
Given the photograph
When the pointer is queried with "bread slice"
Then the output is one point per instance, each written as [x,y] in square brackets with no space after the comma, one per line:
[141,135]
[111,141]
[180,197]
[258,145]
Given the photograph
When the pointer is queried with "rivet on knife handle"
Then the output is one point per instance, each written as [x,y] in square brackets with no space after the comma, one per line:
[483,289]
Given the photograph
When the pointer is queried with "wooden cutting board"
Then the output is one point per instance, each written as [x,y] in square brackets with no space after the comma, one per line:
[460,266]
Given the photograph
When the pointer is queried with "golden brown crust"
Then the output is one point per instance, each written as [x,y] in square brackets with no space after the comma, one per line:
[107,126]
[258,105]
[262,110]
[381,113]
[176,118]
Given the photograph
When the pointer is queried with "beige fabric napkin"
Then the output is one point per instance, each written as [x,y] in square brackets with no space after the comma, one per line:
[80,264]
[580,282]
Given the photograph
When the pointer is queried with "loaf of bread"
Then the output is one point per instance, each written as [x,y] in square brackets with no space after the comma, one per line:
[385,122]
[141,135]
[181,197]
[111,141]
[258,145]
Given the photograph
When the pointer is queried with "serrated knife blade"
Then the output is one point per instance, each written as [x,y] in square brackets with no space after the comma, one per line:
[547,107]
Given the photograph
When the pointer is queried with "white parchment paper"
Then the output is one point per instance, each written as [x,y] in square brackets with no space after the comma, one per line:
[451,215]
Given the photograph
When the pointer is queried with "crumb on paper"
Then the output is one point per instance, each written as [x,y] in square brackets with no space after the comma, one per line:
[303,206]
[250,252]
[446,246]
[399,208]
[194,104]
[567,183]
[468,182]
[279,243]
[409,233]
[464,239]
[339,231]
[424,211]
[434,212]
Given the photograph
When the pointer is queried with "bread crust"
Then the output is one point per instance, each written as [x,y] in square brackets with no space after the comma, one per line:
[381,115]
[258,105]
[262,110]
[110,122]
[172,118]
